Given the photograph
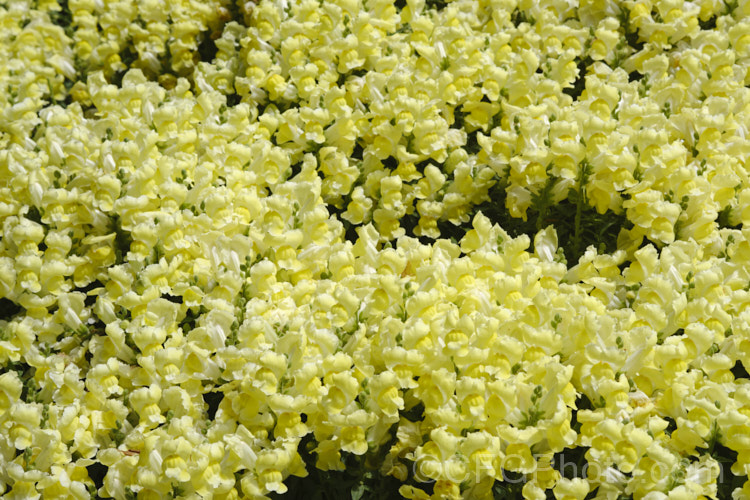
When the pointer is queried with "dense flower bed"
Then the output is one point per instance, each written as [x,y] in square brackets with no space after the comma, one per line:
[358,249]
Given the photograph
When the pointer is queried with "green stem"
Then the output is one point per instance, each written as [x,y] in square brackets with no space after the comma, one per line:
[582,178]
[714,437]
[544,201]
[577,234]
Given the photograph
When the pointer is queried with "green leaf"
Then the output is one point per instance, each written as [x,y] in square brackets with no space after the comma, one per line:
[359,490]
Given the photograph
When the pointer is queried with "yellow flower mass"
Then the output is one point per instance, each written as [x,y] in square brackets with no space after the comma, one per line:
[427,249]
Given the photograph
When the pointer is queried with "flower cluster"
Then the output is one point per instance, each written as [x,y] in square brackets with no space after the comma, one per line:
[221,265]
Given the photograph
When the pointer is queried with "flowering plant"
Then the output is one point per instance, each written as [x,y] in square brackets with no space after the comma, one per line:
[374,249]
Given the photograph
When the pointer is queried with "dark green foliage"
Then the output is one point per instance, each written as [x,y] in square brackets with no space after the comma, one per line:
[8,309]
[630,34]
[436,4]
[740,371]
[30,389]
[511,488]
[724,219]
[172,298]
[212,399]
[207,49]
[63,17]
[123,239]
[90,300]
[233,99]
[191,316]
[97,471]
[542,201]
[708,24]
[591,228]
[350,230]
[519,17]
[584,172]
[343,77]
[128,56]
[34,215]
[472,144]
[361,480]
[415,414]
[727,482]
[730,6]
[580,83]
